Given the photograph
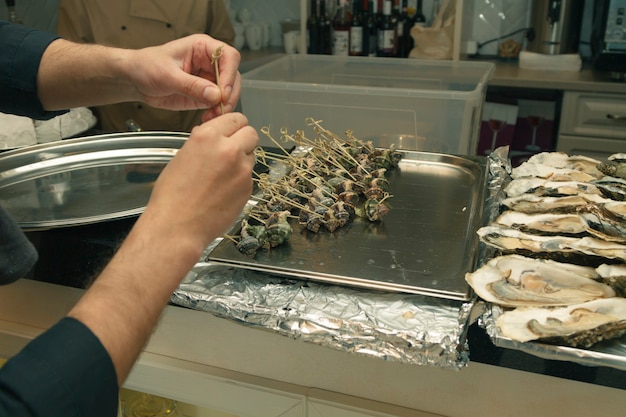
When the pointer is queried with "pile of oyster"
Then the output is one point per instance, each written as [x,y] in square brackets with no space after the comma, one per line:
[559,271]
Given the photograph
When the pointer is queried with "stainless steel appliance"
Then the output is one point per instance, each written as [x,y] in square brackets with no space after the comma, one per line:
[557,26]
[608,37]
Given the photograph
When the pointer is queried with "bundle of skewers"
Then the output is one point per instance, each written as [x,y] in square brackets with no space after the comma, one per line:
[323,186]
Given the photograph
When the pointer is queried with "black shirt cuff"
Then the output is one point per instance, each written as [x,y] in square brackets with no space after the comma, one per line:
[22,48]
[64,372]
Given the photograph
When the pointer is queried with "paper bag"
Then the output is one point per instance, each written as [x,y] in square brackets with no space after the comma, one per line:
[435,42]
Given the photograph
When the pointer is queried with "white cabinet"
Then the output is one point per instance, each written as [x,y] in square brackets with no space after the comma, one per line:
[592,124]
[210,388]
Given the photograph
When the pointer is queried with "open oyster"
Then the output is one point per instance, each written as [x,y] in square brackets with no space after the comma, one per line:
[555,165]
[518,281]
[617,209]
[611,187]
[546,187]
[531,203]
[595,222]
[615,167]
[615,276]
[579,325]
[510,240]
[551,173]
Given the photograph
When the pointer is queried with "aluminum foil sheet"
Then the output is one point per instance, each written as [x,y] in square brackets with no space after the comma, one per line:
[499,175]
[407,328]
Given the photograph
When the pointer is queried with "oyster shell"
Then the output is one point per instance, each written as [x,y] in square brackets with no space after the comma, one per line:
[584,164]
[611,187]
[555,164]
[594,222]
[544,187]
[555,159]
[614,276]
[517,281]
[578,325]
[549,172]
[544,223]
[615,167]
[510,240]
[531,203]
[617,209]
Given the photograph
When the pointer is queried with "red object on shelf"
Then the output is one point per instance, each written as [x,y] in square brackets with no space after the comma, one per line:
[534,132]
[497,127]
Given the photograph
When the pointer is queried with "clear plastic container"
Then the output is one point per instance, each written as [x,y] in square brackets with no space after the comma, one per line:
[415,104]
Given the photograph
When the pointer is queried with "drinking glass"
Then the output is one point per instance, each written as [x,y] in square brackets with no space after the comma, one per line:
[496,126]
[535,122]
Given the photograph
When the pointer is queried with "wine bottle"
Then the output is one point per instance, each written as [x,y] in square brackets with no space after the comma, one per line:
[313,41]
[370,37]
[395,16]
[357,29]
[341,29]
[418,18]
[324,30]
[405,41]
[395,11]
[386,33]
[379,12]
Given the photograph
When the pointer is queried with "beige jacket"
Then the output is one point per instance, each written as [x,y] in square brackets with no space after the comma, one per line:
[137,24]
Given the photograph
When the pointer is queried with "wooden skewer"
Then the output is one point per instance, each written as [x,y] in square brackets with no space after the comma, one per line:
[215,57]
[266,132]
[231,238]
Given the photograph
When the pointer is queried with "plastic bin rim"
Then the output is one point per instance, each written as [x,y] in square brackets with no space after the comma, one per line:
[249,81]
[487,66]
[361,90]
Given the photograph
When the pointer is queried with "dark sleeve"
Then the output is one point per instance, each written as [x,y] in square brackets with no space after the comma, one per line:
[17,253]
[64,372]
[21,49]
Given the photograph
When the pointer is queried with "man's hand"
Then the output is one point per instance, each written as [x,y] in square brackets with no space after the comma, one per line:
[180,75]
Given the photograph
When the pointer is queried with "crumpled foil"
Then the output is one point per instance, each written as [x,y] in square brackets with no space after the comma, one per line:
[406,328]
[499,176]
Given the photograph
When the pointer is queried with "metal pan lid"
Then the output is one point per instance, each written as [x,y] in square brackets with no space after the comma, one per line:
[85,180]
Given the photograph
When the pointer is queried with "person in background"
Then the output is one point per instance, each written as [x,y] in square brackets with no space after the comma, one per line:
[76,367]
[138,24]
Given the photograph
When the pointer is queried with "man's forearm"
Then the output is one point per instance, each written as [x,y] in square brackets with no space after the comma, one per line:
[98,75]
[123,305]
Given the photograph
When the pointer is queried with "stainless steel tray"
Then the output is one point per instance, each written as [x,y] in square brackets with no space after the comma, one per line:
[425,245]
[84,180]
